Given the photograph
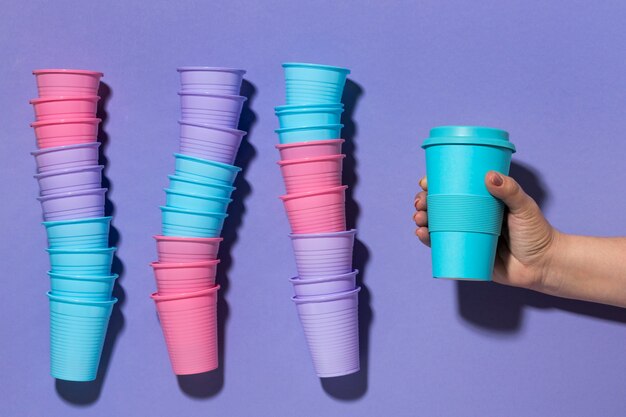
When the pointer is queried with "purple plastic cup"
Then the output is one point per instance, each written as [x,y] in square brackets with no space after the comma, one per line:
[210,142]
[73,205]
[325,285]
[64,157]
[323,254]
[215,80]
[70,179]
[331,327]
[215,109]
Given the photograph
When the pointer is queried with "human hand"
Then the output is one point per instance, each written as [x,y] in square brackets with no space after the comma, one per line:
[527,243]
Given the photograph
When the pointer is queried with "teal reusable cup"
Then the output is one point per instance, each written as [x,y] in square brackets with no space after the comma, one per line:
[77,332]
[91,233]
[84,287]
[464,219]
[81,261]
[204,170]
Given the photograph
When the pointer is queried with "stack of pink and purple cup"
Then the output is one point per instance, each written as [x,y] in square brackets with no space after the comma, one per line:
[325,290]
[196,205]
[72,200]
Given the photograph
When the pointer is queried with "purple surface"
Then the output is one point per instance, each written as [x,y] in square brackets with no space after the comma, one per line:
[552,73]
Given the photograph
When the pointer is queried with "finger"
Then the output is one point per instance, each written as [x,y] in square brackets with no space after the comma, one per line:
[423,235]
[420,200]
[420,218]
[509,191]
[424,183]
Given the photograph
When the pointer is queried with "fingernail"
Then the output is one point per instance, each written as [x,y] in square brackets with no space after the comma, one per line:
[496,179]
[417,200]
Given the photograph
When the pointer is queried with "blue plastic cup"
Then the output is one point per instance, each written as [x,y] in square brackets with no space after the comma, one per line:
[90,233]
[464,219]
[196,202]
[206,189]
[309,115]
[204,170]
[313,83]
[81,261]
[309,133]
[77,332]
[191,223]
[84,287]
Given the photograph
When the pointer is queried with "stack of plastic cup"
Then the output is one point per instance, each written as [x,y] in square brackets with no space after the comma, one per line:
[311,164]
[197,200]
[72,200]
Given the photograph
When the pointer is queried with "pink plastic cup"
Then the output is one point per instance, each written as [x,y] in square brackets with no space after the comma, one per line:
[310,149]
[73,205]
[323,254]
[309,174]
[178,278]
[320,211]
[47,108]
[331,327]
[61,132]
[189,323]
[71,179]
[324,285]
[67,82]
[187,249]
[215,109]
[66,157]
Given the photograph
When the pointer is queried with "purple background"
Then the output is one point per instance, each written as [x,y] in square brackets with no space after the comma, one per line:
[552,73]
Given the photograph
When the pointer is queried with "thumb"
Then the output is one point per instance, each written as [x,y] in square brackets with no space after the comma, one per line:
[509,191]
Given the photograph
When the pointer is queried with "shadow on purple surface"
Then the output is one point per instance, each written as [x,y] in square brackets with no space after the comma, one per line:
[499,308]
[209,384]
[87,393]
[353,387]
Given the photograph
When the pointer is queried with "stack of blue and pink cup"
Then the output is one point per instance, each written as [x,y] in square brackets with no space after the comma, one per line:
[72,201]
[311,163]
[197,200]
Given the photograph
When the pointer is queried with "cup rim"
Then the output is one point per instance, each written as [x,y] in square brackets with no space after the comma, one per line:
[111,250]
[84,277]
[193,181]
[213,127]
[72,194]
[315,127]
[210,197]
[298,281]
[315,66]
[210,69]
[311,159]
[325,297]
[68,171]
[80,301]
[90,120]
[295,236]
[228,96]
[63,98]
[207,162]
[77,221]
[282,146]
[286,108]
[328,190]
[64,147]
[180,296]
[177,265]
[161,238]
[201,213]
[66,71]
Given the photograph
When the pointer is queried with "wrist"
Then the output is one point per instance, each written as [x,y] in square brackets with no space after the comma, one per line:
[551,274]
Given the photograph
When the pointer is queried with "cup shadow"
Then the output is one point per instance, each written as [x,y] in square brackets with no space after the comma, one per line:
[354,386]
[87,393]
[499,308]
[209,384]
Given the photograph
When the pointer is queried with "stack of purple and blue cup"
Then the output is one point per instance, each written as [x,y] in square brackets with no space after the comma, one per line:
[311,164]
[196,206]
[72,201]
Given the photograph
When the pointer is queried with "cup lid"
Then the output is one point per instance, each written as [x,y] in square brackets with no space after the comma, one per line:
[468,135]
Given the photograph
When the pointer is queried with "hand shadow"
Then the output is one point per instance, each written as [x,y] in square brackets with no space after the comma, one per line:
[209,384]
[87,393]
[354,386]
[499,308]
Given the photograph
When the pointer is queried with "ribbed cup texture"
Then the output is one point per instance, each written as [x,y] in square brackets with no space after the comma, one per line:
[465,213]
